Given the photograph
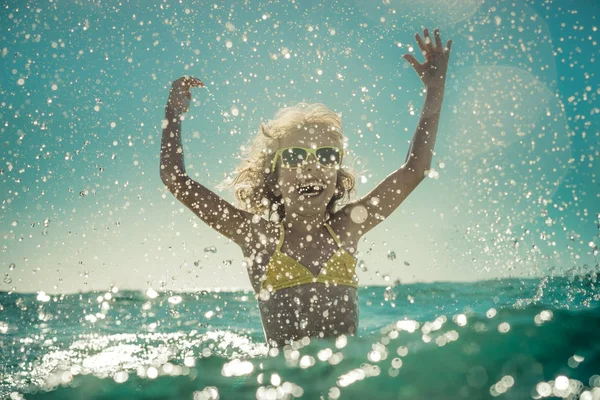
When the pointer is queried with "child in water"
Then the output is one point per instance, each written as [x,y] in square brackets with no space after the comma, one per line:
[297,241]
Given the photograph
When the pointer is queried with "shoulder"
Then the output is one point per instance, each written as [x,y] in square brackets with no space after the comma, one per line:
[262,237]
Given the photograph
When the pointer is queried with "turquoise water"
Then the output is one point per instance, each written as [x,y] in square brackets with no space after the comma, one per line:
[511,205]
[516,339]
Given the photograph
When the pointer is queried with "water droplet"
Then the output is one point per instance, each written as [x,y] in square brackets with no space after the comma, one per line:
[359,214]
[407,263]
[264,295]
[7,279]
[389,294]
[391,255]
[11,266]
[362,266]
[211,249]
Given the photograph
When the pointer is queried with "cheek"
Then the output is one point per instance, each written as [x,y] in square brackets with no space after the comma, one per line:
[331,176]
[286,184]
[284,179]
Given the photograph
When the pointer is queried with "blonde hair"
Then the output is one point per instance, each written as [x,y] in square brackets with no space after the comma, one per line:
[254,180]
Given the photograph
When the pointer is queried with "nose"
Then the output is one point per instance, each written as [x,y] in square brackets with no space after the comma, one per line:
[311,163]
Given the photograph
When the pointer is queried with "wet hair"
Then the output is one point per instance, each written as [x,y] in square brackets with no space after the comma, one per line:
[254,180]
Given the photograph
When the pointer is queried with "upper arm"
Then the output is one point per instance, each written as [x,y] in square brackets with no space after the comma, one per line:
[216,212]
[364,214]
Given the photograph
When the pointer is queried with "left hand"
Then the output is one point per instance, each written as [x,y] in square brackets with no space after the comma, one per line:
[180,94]
[433,71]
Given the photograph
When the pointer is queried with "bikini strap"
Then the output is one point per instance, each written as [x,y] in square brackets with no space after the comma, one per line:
[331,232]
[281,237]
[333,235]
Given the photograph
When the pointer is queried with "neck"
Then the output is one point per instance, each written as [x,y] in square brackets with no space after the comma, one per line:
[301,224]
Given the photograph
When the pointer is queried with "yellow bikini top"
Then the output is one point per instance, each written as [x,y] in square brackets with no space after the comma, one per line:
[285,272]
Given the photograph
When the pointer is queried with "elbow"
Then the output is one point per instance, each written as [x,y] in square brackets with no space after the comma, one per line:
[422,174]
[165,177]
[172,182]
[171,176]
[418,172]
[166,182]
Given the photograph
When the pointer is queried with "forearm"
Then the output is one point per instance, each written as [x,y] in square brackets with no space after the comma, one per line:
[172,163]
[421,148]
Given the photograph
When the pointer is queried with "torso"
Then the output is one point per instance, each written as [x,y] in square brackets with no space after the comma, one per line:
[312,309]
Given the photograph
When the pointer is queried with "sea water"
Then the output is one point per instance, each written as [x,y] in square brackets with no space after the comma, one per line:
[512,339]
[83,86]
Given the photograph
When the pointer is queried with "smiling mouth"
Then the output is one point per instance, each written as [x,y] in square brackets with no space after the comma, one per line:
[311,189]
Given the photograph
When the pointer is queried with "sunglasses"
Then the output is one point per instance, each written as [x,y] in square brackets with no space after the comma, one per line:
[294,156]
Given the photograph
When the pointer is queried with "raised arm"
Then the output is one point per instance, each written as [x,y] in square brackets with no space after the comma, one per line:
[362,215]
[220,215]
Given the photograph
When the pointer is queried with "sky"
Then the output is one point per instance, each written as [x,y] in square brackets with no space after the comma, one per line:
[513,190]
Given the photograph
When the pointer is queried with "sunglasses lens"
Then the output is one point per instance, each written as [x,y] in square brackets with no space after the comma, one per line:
[293,157]
[329,155]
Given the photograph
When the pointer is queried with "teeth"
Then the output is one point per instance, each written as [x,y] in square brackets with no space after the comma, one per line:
[312,186]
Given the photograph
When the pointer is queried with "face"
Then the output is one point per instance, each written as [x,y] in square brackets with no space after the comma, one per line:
[307,189]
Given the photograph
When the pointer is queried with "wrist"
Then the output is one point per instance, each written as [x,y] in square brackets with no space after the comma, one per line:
[435,92]
[171,113]
[437,88]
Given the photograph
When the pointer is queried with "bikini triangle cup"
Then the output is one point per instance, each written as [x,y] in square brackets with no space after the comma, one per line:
[285,272]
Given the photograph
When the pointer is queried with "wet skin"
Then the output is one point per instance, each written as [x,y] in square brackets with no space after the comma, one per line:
[315,309]
[309,310]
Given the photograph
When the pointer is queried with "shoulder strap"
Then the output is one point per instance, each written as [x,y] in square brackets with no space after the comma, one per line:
[281,237]
[333,235]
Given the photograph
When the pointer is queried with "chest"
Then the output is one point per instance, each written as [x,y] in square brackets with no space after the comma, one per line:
[311,255]
[312,251]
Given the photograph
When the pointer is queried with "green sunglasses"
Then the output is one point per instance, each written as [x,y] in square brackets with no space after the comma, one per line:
[294,156]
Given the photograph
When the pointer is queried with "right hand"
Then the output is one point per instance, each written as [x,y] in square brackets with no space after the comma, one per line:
[180,95]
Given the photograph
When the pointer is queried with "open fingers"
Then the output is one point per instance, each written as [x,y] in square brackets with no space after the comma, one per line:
[438,40]
[428,41]
[195,82]
[186,82]
[448,48]
[413,61]
[421,43]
